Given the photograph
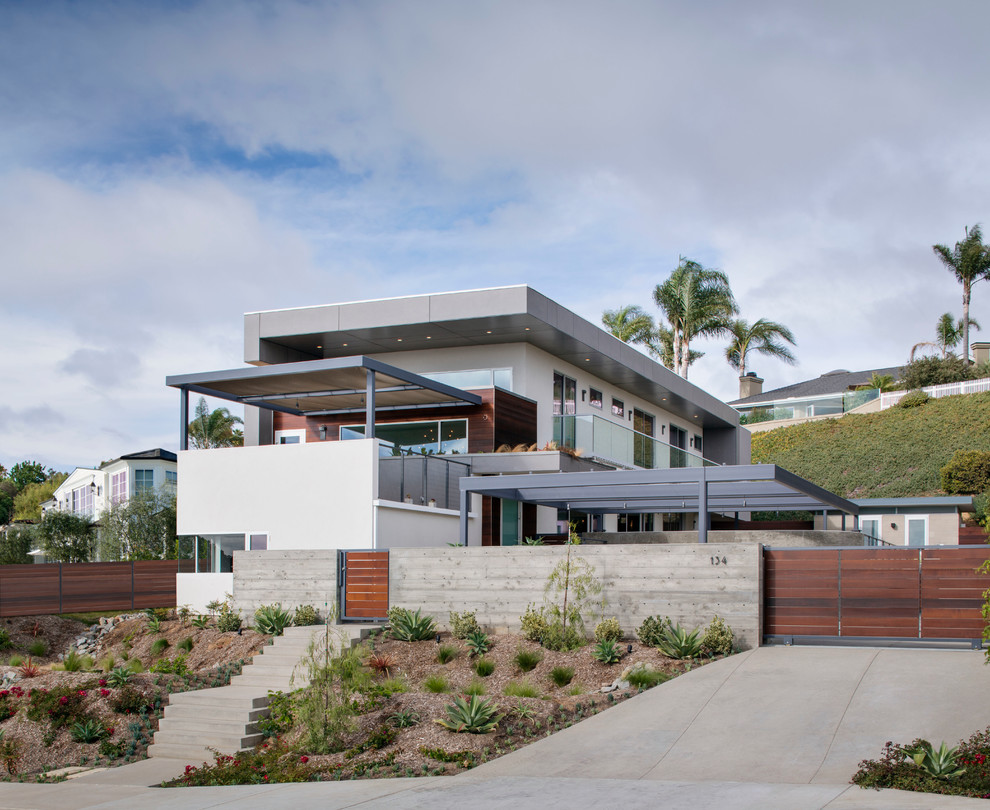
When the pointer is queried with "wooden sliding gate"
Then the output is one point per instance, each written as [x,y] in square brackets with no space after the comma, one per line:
[881,593]
[362,578]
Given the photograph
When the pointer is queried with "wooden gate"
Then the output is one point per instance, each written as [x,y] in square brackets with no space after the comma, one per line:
[363,582]
[889,593]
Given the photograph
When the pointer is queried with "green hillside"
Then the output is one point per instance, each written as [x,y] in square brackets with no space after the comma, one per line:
[892,454]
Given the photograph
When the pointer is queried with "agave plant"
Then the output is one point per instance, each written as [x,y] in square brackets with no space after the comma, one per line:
[201,622]
[475,715]
[942,764]
[272,619]
[405,625]
[677,642]
[88,731]
[478,643]
[154,624]
[119,676]
[606,651]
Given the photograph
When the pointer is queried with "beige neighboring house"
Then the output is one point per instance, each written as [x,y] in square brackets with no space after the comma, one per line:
[88,491]
[930,521]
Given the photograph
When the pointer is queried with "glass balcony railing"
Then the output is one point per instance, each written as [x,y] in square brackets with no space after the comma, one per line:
[805,408]
[423,480]
[599,437]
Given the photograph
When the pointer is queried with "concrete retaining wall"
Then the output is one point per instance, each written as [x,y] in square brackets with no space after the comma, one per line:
[293,578]
[688,582]
[790,538]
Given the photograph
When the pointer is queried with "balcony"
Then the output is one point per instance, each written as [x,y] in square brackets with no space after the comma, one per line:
[605,440]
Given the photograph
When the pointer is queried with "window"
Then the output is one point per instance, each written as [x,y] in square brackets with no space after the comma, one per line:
[643,425]
[697,444]
[870,527]
[474,378]
[82,500]
[564,394]
[636,523]
[294,436]
[144,481]
[678,443]
[596,398]
[618,407]
[446,436]
[171,477]
[258,542]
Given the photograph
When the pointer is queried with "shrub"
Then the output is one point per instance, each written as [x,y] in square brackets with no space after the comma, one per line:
[608,630]
[158,646]
[171,666]
[404,719]
[561,676]
[484,667]
[606,652]
[154,624]
[967,473]
[272,619]
[61,706]
[380,663]
[447,653]
[927,371]
[521,688]
[651,631]
[5,642]
[642,675]
[37,648]
[16,660]
[186,644]
[405,625]
[135,666]
[73,662]
[436,683]
[106,663]
[119,676]
[478,643]
[717,639]
[679,643]
[393,686]
[559,636]
[476,687]
[913,399]
[264,766]
[306,616]
[464,624]
[527,660]
[534,624]
[8,708]
[228,620]
[10,753]
[474,716]
[201,622]
[128,700]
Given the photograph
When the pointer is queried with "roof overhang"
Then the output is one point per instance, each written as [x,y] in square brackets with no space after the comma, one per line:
[503,315]
[338,385]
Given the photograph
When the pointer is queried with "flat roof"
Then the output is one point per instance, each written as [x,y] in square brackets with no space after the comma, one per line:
[324,387]
[501,315]
[730,488]
[937,500]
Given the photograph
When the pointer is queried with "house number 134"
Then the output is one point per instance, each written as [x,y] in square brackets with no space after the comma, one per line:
[719,561]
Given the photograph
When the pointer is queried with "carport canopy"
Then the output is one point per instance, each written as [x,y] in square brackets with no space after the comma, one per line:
[338,385]
[698,490]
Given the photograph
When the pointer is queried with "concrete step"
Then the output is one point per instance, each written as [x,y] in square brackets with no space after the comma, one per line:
[267,683]
[205,725]
[191,754]
[193,712]
[227,743]
[246,697]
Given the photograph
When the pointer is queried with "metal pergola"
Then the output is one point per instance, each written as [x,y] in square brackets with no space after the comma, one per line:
[698,490]
[339,385]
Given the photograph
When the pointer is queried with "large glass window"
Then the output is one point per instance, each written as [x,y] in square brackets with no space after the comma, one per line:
[118,487]
[564,394]
[215,552]
[82,500]
[144,481]
[448,436]
[643,424]
[917,531]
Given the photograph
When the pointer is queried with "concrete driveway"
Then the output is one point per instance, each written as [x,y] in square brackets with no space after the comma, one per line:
[774,728]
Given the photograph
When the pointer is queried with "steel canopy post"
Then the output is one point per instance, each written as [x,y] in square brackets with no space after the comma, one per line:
[702,507]
[369,404]
[183,418]
[465,500]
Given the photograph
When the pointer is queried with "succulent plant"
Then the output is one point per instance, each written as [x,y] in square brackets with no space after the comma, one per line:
[474,715]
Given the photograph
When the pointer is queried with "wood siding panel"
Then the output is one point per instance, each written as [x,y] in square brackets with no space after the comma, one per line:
[365,584]
[27,590]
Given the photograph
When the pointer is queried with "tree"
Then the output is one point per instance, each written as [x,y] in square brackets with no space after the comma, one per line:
[630,324]
[27,472]
[697,302]
[880,382]
[763,336]
[27,503]
[969,260]
[66,537]
[214,428]
[140,528]
[948,333]
[15,543]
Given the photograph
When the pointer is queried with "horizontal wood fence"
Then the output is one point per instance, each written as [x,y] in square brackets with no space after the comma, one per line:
[27,590]
[909,593]
[363,578]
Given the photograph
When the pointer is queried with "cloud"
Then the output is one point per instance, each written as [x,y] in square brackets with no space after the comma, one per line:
[104,368]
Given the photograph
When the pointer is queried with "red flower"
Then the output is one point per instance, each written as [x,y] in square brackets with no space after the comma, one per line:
[104,692]
[103,681]
[110,731]
[304,759]
[63,700]
[82,693]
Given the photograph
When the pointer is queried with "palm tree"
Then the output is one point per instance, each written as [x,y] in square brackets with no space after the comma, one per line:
[630,324]
[969,260]
[697,302]
[948,333]
[764,337]
[214,428]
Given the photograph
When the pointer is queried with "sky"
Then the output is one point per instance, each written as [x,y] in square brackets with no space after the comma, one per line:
[167,166]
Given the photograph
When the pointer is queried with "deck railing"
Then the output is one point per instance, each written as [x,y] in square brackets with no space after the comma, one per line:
[891,398]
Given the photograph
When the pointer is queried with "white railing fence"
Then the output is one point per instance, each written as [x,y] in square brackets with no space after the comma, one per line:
[948,390]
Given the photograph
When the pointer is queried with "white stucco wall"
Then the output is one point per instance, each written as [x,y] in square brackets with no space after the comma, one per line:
[197,590]
[304,496]
[400,525]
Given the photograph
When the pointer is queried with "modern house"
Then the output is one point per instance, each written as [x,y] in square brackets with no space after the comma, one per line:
[369,424]
[922,521]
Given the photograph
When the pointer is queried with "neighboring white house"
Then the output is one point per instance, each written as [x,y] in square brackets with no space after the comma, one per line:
[88,491]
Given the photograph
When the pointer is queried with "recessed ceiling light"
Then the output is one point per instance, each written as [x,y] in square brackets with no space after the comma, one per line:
[664,398]
[319,347]
[399,339]
[527,328]
[587,359]
[345,344]
[488,332]
[429,338]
